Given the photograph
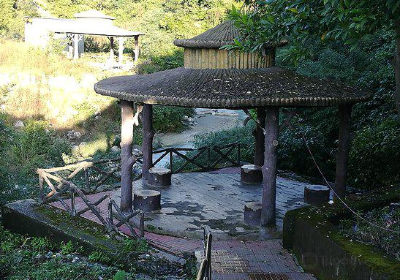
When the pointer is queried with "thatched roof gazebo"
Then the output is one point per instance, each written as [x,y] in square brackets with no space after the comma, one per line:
[218,78]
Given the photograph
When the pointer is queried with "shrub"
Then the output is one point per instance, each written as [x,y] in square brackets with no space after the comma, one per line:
[170,119]
[375,154]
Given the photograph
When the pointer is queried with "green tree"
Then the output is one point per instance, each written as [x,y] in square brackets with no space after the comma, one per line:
[7,13]
[299,21]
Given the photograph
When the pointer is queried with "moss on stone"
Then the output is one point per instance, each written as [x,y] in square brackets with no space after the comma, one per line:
[326,217]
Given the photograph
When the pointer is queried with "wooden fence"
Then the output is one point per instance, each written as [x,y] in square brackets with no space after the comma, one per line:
[204,272]
[92,174]
[213,157]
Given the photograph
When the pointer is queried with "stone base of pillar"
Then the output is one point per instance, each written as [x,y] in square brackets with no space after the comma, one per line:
[159,177]
[251,174]
[252,213]
[316,194]
[147,200]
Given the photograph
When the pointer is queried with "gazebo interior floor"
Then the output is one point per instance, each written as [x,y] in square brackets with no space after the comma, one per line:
[216,199]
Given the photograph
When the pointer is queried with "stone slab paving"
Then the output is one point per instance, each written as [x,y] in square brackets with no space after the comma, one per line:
[232,258]
[216,199]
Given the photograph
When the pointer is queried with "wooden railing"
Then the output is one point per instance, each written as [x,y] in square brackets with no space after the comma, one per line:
[205,265]
[62,189]
[223,155]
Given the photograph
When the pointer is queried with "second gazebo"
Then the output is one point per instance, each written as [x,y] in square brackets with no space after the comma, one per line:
[217,78]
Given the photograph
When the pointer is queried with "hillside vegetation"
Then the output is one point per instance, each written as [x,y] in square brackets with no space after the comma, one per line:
[49,113]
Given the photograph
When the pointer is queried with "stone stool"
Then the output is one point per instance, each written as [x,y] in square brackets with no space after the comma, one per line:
[316,194]
[252,213]
[147,200]
[159,177]
[251,174]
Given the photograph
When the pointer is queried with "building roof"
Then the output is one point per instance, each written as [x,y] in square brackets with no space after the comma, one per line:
[229,88]
[214,38]
[74,26]
[92,14]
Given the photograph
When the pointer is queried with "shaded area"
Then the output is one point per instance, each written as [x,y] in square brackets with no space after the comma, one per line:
[216,199]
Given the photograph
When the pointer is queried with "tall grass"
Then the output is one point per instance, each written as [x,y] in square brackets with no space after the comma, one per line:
[20,57]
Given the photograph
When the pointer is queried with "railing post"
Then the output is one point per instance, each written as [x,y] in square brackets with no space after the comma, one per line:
[171,160]
[209,157]
[41,189]
[141,228]
[73,210]
[238,154]
[86,178]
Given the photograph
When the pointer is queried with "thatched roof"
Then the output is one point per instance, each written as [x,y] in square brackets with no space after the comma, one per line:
[214,38]
[229,88]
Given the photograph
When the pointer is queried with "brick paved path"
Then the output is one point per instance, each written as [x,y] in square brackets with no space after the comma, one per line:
[231,259]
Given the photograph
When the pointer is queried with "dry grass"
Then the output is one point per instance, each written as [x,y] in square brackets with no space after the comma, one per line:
[19,57]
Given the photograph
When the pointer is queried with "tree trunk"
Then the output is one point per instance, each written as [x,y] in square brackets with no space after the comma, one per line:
[269,168]
[397,68]
[259,148]
[342,158]
[147,146]
[126,155]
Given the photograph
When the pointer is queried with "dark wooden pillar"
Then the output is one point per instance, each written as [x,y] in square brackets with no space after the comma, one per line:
[136,48]
[259,147]
[269,168]
[126,155]
[147,146]
[342,157]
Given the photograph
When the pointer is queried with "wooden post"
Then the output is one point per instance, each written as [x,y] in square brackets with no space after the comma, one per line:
[112,49]
[76,46]
[126,155]
[120,50]
[259,147]
[136,48]
[269,168]
[342,157]
[147,146]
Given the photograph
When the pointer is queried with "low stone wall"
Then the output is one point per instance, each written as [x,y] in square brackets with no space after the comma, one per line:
[313,237]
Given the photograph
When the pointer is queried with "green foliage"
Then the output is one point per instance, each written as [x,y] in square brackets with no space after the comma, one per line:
[169,119]
[300,21]
[135,246]
[386,240]
[35,146]
[99,256]
[374,157]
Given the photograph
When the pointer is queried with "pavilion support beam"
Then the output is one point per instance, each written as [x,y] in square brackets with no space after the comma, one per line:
[136,48]
[342,157]
[127,121]
[76,46]
[259,147]
[112,49]
[148,134]
[269,168]
[120,49]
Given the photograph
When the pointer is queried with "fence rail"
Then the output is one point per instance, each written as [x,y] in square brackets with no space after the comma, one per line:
[204,272]
[214,157]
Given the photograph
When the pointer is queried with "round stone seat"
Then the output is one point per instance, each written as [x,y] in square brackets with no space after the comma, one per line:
[251,174]
[252,213]
[147,200]
[316,194]
[159,177]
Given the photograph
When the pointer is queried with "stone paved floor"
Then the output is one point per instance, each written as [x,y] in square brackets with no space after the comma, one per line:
[232,258]
[216,199]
